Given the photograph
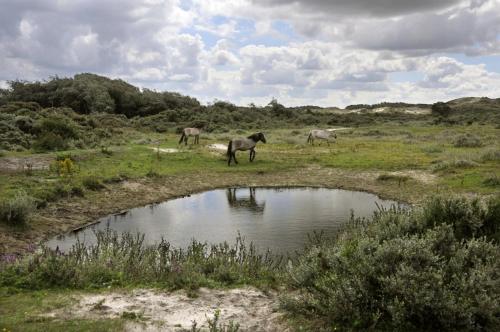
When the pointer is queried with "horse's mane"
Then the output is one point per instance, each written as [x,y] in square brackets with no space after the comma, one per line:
[254,137]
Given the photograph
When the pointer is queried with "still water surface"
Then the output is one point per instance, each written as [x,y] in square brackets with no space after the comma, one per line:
[279,219]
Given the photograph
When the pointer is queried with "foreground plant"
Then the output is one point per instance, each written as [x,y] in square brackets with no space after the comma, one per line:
[17,210]
[435,268]
[122,260]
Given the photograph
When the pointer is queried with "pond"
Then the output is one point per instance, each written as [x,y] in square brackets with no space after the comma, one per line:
[278,219]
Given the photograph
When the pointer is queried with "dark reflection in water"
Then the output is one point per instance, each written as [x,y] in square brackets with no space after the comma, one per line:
[278,219]
[242,202]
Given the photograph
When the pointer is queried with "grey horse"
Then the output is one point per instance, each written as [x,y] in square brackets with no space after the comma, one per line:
[321,134]
[244,144]
[186,132]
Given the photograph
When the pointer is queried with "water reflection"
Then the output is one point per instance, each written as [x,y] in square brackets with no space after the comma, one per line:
[237,200]
[278,219]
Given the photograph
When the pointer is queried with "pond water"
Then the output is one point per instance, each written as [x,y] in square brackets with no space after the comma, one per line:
[278,219]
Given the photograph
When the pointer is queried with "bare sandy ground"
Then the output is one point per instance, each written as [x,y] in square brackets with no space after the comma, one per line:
[36,162]
[156,310]
[218,147]
[166,150]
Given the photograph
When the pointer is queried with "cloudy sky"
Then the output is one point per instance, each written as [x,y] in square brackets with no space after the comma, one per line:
[322,52]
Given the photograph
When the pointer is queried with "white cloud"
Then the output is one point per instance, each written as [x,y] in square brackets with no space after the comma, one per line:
[319,52]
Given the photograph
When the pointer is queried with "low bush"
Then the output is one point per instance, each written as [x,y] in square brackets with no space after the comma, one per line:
[125,260]
[467,141]
[432,149]
[63,167]
[393,177]
[436,268]
[92,183]
[492,181]
[451,164]
[49,142]
[58,126]
[491,155]
[24,123]
[53,193]
[17,210]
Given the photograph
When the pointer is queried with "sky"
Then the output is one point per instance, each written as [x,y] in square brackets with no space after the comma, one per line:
[304,52]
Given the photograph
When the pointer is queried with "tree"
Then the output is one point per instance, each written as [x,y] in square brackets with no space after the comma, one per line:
[441,109]
[278,109]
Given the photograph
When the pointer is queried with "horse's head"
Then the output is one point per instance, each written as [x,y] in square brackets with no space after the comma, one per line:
[258,137]
[262,137]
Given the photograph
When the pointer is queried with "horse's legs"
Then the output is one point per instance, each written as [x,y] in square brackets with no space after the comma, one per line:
[252,155]
[229,160]
[196,139]
[234,157]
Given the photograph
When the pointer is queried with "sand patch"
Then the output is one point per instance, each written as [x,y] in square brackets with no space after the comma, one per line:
[164,311]
[132,186]
[25,163]
[217,147]
[422,176]
[338,129]
[166,150]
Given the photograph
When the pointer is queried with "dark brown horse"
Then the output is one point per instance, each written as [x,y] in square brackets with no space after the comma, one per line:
[244,144]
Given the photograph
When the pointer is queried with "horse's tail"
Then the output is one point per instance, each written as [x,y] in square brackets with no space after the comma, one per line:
[182,137]
[309,138]
[229,148]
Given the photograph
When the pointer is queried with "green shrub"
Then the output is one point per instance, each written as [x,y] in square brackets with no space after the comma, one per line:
[49,142]
[51,194]
[393,177]
[451,164]
[92,183]
[58,126]
[77,191]
[492,181]
[467,141]
[24,123]
[432,149]
[491,155]
[435,268]
[17,210]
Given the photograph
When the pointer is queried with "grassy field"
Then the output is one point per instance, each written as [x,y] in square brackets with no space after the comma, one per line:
[406,162]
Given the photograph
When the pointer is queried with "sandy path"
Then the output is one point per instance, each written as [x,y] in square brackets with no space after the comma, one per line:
[162,311]
[35,162]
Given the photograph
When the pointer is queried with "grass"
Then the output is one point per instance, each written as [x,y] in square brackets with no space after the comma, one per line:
[24,311]
[355,150]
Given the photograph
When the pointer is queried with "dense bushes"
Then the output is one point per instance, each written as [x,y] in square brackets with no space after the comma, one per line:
[16,211]
[437,268]
[52,129]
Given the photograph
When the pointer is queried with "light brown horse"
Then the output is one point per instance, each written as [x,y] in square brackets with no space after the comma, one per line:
[321,134]
[186,132]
